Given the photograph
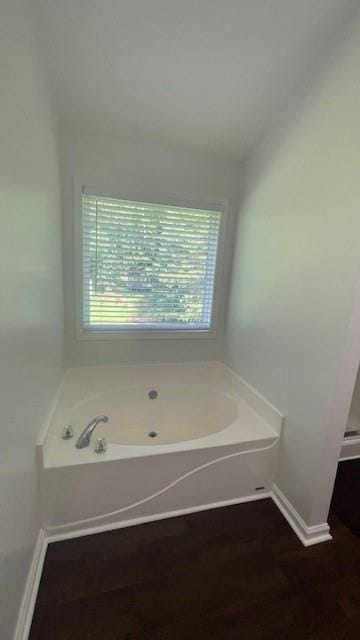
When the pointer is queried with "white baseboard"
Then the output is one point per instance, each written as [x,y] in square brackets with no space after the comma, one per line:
[54,535]
[350,449]
[307,535]
[31,588]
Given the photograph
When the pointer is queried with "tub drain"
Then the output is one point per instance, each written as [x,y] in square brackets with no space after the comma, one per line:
[152,434]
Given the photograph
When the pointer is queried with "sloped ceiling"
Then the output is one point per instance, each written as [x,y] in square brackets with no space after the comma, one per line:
[198,74]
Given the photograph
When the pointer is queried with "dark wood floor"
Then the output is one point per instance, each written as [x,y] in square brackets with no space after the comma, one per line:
[234,573]
[346,490]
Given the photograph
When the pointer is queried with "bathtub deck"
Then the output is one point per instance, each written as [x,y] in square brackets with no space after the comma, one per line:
[91,391]
[238,572]
[248,431]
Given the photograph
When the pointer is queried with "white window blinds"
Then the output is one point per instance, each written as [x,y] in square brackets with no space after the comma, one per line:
[147,266]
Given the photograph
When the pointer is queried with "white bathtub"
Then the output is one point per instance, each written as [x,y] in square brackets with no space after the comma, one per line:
[216,443]
[177,413]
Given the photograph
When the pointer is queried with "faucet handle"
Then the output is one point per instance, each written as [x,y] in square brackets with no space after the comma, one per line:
[100,445]
[67,432]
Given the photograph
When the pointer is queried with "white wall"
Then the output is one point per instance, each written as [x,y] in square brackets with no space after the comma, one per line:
[31,295]
[105,162]
[297,266]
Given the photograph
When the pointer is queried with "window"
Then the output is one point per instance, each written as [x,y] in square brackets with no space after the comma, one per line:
[147,267]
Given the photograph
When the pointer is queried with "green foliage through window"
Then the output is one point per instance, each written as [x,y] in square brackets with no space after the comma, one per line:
[147,265]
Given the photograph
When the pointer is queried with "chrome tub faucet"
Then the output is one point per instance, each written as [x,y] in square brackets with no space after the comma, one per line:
[84,438]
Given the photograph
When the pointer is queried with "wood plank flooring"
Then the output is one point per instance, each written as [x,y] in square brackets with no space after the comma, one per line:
[225,574]
[346,496]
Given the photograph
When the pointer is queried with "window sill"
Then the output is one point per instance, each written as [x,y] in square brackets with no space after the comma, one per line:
[147,334]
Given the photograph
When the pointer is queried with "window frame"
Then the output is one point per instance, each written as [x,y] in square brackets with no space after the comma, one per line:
[186,201]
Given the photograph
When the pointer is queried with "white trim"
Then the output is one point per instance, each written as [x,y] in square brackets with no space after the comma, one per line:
[52,536]
[307,535]
[28,601]
[186,200]
[350,449]
[347,442]
[123,192]
[145,334]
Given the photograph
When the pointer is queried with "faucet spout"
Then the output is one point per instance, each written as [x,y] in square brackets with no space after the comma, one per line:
[84,438]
